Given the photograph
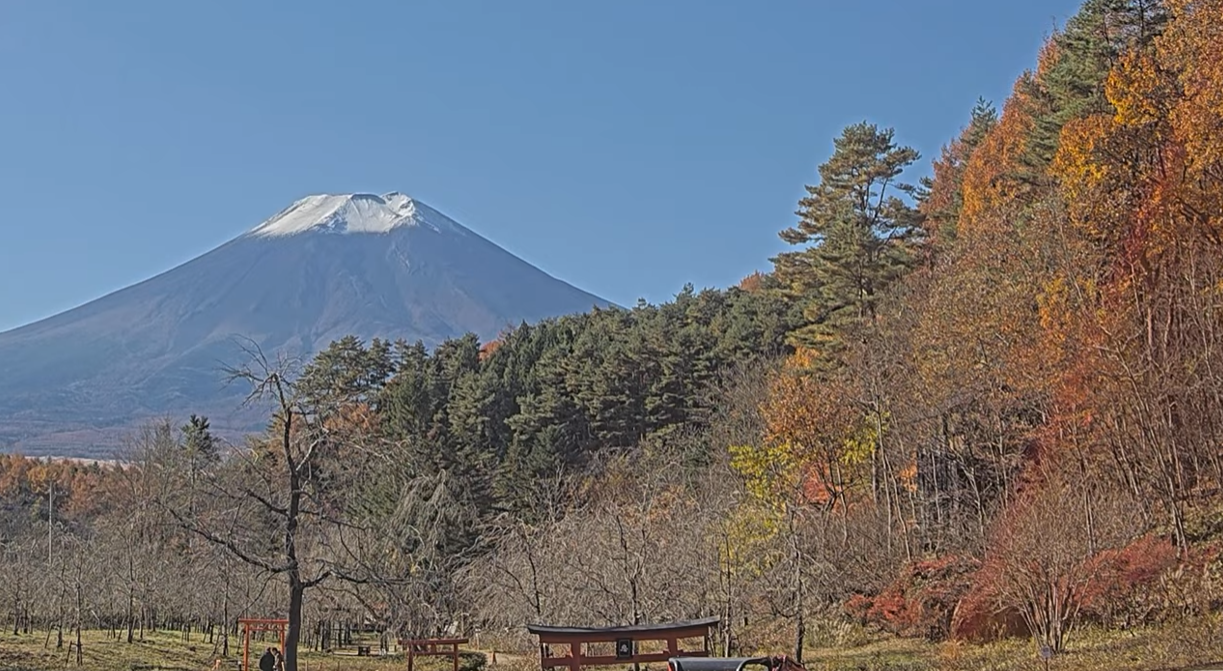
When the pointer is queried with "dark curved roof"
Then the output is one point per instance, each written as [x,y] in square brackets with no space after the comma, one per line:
[717,663]
[626,629]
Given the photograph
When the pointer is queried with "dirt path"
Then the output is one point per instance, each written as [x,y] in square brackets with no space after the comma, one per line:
[498,658]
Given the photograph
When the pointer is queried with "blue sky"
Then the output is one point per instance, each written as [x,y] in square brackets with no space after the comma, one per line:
[627,147]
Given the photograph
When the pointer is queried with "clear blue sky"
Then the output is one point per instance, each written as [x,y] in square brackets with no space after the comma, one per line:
[627,146]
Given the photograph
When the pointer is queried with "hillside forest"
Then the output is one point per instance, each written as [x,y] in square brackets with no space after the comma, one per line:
[980,405]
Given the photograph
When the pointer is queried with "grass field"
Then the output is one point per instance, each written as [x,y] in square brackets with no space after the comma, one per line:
[1191,645]
[166,651]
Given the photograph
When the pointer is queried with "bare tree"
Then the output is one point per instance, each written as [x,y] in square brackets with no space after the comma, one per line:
[513,582]
[1043,547]
[318,500]
[266,504]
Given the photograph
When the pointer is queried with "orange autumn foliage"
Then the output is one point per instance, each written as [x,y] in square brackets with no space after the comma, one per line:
[813,420]
[83,490]
[921,601]
[990,178]
[1068,318]
[1193,47]
[488,348]
[752,283]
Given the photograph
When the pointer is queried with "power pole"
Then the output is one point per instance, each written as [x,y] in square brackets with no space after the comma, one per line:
[50,518]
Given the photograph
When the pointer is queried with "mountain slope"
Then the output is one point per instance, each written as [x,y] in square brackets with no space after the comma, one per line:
[327,266]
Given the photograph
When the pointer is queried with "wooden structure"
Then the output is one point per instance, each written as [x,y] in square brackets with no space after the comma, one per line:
[252,625]
[774,663]
[432,647]
[626,641]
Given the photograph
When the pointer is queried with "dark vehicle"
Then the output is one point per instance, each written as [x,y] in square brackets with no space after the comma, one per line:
[776,663]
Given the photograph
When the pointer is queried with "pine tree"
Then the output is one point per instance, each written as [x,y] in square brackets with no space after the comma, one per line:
[1083,53]
[860,231]
[199,441]
[346,372]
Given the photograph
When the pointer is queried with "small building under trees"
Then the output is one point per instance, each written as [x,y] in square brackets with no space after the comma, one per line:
[606,646]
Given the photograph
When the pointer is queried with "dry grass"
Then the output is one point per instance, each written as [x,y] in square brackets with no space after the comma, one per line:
[839,646]
[168,652]
[1187,645]
[161,651]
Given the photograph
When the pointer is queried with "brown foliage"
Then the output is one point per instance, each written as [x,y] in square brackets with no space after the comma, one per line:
[753,283]
[487,349]
[1047,551]
[922,600]
[1122,576]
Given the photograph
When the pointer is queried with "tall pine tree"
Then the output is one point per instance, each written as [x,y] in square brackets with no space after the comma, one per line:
[860,231]
[1072,84]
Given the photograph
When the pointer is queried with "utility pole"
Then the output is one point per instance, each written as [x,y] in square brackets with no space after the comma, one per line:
[50,518]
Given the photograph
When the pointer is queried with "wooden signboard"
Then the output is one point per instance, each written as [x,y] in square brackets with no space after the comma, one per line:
[626,640]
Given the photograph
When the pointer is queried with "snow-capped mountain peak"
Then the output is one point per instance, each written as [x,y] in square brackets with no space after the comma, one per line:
[352,213]
[328,266]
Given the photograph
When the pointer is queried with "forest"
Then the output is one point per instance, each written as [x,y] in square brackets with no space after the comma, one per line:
[974,407]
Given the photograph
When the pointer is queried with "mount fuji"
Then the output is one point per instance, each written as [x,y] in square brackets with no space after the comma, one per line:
[385,266]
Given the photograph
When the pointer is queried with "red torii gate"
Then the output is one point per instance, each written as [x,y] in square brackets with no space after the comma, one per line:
[625,638]
[252,625]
